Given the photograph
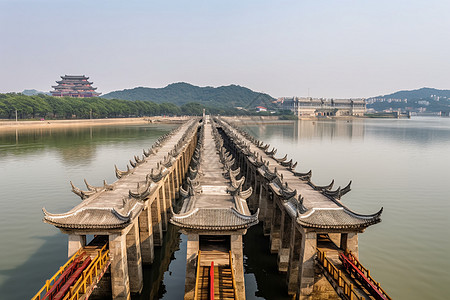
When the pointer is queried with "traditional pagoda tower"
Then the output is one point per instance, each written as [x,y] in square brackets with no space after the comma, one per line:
[74,86]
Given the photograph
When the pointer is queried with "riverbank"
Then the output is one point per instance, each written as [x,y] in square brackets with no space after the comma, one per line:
[13,125]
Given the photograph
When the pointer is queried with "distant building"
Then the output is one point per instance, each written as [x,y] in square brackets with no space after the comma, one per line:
[310,107]
[261,108]
[74,86]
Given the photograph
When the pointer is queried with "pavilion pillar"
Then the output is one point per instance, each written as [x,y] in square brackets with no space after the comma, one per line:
[134,260]
[349,242]
[76,241]
[306,270]
[162,205]
[275,232]
[146,236]
[192,246]
[119,268]
[294,260]
[156,221]
[238,264]
[283,254]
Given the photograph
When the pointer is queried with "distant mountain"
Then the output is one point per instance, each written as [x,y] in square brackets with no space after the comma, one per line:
[424,100]
[33,92]
[423,93]
[182,93]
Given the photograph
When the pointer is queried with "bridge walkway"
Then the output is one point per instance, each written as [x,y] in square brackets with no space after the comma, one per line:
[354,286]
[220,281]
[79,276]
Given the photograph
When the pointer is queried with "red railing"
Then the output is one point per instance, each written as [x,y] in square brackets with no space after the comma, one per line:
[353,266]
[211,281]
[337,276]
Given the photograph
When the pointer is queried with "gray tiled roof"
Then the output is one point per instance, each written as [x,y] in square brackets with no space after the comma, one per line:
[96,217]
[214,219]
[336,218]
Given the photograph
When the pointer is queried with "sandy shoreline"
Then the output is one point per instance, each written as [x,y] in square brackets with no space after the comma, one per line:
[12,125]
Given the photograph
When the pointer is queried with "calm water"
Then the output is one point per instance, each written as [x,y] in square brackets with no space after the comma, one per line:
[401,165]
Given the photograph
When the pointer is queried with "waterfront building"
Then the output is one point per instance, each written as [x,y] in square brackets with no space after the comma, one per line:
[74,86]
[318,107]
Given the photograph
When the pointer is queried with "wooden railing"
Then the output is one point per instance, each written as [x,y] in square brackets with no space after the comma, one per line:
[91,273]
[336,274]
[232,276]
[198,275]
[49,283]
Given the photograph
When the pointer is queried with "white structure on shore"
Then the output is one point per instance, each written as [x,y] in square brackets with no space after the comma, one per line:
[316,107]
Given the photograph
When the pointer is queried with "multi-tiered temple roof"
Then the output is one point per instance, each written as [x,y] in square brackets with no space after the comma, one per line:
[74,86]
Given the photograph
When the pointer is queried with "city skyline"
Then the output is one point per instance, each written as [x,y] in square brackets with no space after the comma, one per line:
[331,49]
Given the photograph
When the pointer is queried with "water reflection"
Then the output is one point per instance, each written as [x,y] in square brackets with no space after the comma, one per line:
[77,144]
[164,279]
[306,129]
[259,262]
[420,130]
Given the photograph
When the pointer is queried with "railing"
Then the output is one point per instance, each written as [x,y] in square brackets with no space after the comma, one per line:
[90,274]
[211,281]
[364,273]
[49,283]
[336,274]
[198,276]
[232,276]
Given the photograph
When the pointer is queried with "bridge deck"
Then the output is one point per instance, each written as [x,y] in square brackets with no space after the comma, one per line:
[214,186]
[312,199]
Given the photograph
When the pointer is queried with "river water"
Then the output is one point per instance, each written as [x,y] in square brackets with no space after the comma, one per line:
[401,165]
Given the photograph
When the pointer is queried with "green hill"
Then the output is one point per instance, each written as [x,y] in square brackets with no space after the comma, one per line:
[421,100]
[182,93]
[423,93]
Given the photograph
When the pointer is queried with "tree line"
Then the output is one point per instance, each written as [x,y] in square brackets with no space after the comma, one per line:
[49,107]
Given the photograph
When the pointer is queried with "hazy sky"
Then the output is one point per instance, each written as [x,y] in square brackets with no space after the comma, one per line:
[331,48]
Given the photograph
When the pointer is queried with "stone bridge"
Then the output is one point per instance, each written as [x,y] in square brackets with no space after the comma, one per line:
[224,181]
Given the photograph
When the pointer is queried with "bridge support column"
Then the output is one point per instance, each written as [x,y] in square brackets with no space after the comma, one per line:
[119,268]
[275,232]
[349,241]
[267,225]
[173,189]
[76,242]
[262,201]
[162,206]
[146,236]
[134,259]
[176,179]
[283,254]
[238,262]
[294,260]
[191,265]
[168,197]
[156,221]
[306,270]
